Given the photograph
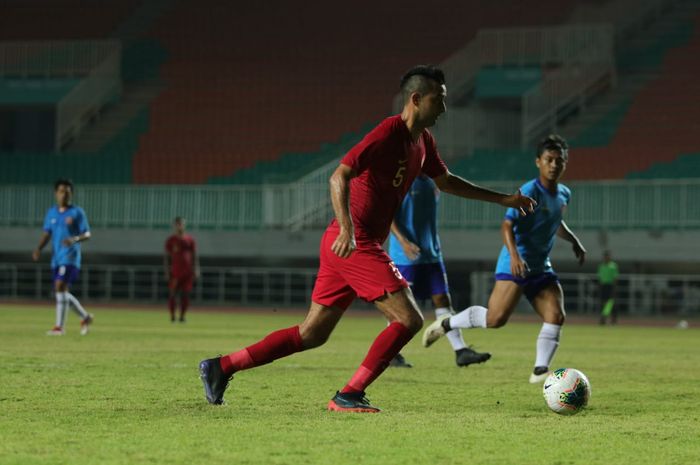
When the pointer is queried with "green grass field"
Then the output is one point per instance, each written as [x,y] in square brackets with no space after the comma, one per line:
[129,393]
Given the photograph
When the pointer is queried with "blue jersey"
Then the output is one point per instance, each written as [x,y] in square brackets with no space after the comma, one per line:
[417,219]
[534,233]
[63,225]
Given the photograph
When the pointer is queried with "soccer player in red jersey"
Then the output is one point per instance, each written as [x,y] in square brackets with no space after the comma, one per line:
[366,189]
[181,267]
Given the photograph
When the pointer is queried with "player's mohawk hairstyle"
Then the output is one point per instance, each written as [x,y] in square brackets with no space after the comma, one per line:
[555,143]
[418,79]
[426,71]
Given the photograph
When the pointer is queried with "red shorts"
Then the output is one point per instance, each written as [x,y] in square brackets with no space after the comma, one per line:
[182,283]
[368,274]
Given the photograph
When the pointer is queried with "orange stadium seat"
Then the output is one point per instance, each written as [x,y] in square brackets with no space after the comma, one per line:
[250,83]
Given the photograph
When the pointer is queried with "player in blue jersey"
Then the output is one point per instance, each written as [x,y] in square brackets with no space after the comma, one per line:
[524,266]
[414,246]
[66,226]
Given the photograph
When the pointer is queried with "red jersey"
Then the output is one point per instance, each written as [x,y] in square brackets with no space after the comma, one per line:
[181,251]
[386,161]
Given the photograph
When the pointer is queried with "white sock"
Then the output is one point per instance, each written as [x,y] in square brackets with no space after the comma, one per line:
[61,307]
[547,343]
[76,305]
[454,336]
[471,317]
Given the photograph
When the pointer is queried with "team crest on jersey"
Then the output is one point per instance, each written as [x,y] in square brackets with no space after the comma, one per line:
[69,220]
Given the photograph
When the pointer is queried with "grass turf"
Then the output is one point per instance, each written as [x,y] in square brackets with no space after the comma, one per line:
[129,393]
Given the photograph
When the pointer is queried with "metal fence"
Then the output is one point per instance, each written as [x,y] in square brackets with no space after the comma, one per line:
[638,294]
[147,284]
[639,204]
[53,59]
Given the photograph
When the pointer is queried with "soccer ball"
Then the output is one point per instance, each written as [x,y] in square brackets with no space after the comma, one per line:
[566,391]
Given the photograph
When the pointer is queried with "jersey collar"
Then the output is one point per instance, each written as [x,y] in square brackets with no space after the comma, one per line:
[544,189]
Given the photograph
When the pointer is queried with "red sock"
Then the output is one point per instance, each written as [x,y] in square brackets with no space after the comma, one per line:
[275,345]
[171,306]
[184,303]
[385,347]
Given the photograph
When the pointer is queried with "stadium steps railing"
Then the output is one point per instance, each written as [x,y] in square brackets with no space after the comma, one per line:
[622,205]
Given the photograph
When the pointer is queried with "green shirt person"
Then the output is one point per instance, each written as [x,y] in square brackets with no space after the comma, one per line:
[607,278]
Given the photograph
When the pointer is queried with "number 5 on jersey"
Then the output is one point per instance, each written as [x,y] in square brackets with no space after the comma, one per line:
[398,177]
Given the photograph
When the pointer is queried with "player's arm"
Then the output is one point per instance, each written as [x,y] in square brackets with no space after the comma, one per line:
[455,185]
[411,250]
[518,266]
[568,235]
[43,240]
[344,244]
[83,230]
[82,237]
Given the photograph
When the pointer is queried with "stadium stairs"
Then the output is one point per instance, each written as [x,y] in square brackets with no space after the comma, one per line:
[618,135]
[142,57]
[660,124]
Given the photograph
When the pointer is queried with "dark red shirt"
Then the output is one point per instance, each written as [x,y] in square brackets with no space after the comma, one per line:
[386,161]
[181,251]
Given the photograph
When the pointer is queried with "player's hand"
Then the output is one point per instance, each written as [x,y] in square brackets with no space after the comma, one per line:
[344,245]
[411,250]
[520,202]
[518,267]
[36,253]
[580,253]
[68,241]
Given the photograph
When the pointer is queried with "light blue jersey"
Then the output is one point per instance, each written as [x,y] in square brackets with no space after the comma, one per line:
[417,219]
[534,233]
[63,225]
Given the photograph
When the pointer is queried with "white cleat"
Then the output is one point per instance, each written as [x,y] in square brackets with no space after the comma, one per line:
[85,324]
[538,379]
[55,331]
[435,331]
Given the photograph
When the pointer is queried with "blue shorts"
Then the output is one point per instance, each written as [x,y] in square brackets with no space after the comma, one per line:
[66,273]
[532,284]
[425,279]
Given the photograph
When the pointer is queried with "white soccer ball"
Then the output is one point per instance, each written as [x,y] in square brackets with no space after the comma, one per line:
[566,391]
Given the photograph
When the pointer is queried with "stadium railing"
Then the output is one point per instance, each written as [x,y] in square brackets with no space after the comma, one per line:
[583,53]
[101,85]
[628,16]
[53,59]
[147,284]
[96,62]
[625,205]
[584,50]
[637,294]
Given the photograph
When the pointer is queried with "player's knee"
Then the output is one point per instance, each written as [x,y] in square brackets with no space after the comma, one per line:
[495,320]
[557,319]
[412,321]
[313,337]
